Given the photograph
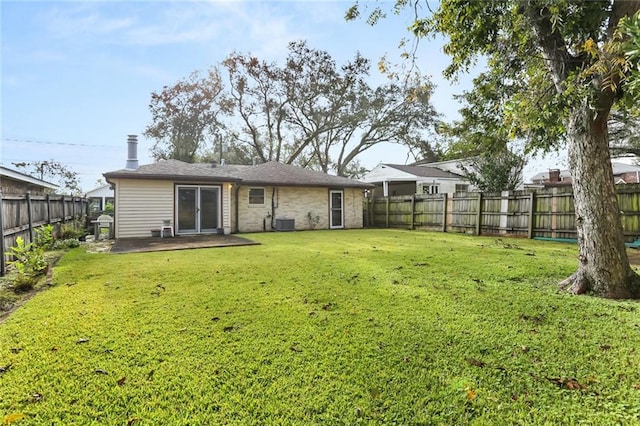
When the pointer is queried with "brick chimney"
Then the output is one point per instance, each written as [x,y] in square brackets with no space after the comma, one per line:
[554,175]
[132,148]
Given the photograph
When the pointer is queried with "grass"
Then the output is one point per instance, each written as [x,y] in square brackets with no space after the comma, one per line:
[333,327]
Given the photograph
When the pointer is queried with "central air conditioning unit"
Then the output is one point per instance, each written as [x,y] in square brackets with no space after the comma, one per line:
[285,225]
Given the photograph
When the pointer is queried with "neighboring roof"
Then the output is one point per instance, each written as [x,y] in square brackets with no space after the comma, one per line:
[101,191]
[545,175]
[270,173]
[620,168]
[424,171]
[15,175]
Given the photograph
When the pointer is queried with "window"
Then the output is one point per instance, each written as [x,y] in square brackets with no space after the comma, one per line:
[430,189]
[462,187]
[256,196]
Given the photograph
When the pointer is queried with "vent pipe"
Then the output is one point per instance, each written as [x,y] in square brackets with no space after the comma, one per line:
[132,149]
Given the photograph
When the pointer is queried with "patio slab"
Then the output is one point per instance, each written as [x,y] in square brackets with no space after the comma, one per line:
[140,245]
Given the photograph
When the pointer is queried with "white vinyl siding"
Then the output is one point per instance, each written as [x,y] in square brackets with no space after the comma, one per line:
[141,206]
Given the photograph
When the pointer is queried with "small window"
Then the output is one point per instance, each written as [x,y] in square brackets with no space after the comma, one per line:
[462,187]
[430,189]
[256,196]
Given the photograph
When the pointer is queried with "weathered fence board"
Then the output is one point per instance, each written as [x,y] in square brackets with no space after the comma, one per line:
[547,213]
[21,214]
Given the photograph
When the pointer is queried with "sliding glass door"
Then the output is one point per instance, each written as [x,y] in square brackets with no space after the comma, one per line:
[198,209]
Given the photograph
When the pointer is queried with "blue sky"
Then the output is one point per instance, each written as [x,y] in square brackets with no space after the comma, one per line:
[77,76]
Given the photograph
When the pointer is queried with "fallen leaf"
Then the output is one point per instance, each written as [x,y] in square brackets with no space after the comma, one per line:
[636,386]
[132,420]
[100,371]
[295,348]
[567,383]
[215,319]
[121,380]
[228,328]
[5,368]
[476,362]
[82,340]
[150,374]
[10,418]
[36,397]
[15,350]
[55,348]
[471,394]
[605,347]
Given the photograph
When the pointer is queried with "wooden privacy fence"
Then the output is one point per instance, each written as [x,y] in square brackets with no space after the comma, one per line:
[541,213]
[21,214]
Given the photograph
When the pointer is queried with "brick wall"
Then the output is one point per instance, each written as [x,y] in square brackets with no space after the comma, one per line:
[309,207]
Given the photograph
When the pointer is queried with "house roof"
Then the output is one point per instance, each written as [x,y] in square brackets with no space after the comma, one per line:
[424,171]
[177,170]
[22,177]
[270,173]
[274,173]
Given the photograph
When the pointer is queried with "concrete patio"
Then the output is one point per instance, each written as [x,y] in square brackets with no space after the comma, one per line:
[140,245]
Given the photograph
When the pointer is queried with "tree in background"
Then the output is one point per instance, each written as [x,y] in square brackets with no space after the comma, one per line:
[185,116]
[482,139]
[565,69]
[53,171]
[308,111]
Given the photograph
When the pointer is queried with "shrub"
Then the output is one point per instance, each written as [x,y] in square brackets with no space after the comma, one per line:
[29,264]
[44,237]
[65,244]
[70,230]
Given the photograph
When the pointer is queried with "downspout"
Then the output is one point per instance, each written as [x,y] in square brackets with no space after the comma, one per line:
[236,214]
[273,208]
[115,209]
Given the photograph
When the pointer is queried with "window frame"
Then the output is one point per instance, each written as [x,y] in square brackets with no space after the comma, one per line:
[251,196]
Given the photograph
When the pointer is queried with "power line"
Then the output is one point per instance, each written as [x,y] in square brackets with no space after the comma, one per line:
[57,143]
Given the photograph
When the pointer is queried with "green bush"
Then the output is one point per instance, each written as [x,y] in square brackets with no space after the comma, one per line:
[44,237]
[29,263]
[70,230]
[65,244]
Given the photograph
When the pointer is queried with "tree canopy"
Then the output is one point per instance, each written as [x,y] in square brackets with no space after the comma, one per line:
[52,171]
[308,111]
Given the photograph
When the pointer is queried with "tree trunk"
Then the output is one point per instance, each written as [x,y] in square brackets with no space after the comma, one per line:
[603,268]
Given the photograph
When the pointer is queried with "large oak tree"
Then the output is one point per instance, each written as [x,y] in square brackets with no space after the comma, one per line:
[564,74]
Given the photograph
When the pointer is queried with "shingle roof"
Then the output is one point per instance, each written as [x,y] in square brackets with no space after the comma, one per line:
[175,169]
[270,173]
[274,173]
[424,171]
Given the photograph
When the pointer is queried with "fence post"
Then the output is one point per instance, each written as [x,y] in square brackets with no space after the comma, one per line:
[48,209]
[479,215]
[504,211]
[413,212]
[3,266]
[444,211]
[29,217]
[554,212]
[386,219]
[532,210]
[64,209]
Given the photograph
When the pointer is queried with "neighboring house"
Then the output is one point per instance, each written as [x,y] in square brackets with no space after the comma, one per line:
[17,183]
[397,179]
[100,199]
[210,198]
[622,173]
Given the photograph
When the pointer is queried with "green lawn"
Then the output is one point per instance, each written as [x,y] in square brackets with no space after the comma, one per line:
[332,327]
